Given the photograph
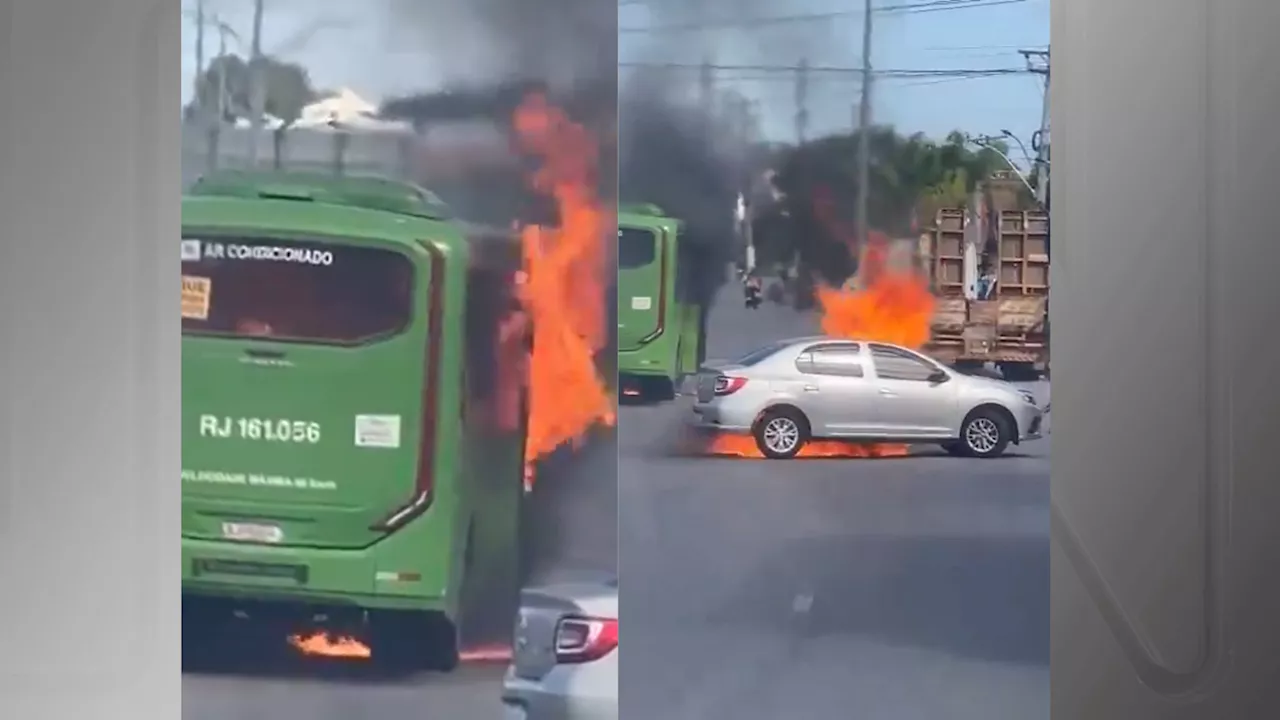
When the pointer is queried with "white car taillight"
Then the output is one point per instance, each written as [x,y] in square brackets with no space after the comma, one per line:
[585,639]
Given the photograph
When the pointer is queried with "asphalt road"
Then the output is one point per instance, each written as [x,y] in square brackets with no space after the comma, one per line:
[895,589]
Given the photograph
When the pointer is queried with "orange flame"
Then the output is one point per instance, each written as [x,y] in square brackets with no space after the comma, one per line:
[322,644]
[486,654]
[891,303]
[563,291]
[743,446]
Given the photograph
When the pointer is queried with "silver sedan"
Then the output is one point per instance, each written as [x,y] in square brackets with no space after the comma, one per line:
[565,661]
[788,393]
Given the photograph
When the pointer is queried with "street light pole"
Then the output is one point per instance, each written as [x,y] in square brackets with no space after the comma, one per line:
[985,144]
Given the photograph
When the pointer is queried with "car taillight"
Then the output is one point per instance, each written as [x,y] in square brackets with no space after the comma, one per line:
[584,639]
[726,385]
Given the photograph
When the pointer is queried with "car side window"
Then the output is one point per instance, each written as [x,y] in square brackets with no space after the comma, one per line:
[894,364]
[844,360]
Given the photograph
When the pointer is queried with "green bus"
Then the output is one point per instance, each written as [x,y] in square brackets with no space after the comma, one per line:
[353,415]
[661,327]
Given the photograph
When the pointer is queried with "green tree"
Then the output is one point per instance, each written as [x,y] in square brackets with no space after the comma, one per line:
[223,85]
[288,89]
[911,177]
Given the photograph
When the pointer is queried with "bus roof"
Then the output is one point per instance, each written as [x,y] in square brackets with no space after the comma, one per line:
[303,214]
[646,215]
[641,209]
[359,191]
[300,215]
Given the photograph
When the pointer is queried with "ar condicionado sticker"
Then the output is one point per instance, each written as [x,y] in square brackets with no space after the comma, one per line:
[195,297]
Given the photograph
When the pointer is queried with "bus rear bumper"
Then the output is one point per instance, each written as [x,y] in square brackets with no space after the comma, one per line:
[237,573]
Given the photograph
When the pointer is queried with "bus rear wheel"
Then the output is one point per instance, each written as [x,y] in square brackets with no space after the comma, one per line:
[415,640]
[647,389]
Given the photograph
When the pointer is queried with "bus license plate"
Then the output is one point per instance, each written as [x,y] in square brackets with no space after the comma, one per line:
[252,532]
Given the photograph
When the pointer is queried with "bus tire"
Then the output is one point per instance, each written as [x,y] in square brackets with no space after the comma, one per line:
[659,390]
[410,641]
[444,646]
[490,596]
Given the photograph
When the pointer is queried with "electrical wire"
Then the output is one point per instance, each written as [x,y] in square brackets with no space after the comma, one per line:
[750,23]
[824,69]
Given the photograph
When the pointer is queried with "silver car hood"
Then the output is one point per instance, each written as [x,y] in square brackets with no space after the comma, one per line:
[991,384]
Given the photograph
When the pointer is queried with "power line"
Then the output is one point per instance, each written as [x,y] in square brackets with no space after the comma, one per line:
[826,69]
[749,23]
[896,80]
[945,5]
[739,23]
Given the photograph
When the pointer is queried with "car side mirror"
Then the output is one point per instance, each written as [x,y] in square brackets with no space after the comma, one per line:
[938,377]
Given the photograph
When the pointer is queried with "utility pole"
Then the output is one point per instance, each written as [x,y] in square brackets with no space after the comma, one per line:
[200,20]
[864,132]
[707,87]
[257,84]
[223,30]
[1038,63]
[802,101]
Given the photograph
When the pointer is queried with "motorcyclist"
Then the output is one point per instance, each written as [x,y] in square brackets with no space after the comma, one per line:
[752,289]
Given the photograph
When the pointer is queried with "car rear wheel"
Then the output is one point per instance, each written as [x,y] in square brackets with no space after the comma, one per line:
[985,434]
[780,434]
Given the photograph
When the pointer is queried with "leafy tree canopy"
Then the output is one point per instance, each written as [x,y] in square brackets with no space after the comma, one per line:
[288,88]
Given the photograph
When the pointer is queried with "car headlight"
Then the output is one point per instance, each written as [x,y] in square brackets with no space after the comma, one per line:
[1027,396]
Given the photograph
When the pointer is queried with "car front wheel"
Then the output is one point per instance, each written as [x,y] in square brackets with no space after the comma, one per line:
[985,434]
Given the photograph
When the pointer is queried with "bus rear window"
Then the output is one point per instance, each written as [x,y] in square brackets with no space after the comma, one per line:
[298,291]
[636,248]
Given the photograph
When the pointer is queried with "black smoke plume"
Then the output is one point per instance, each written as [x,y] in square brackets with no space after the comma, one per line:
[671,153]
[487,55]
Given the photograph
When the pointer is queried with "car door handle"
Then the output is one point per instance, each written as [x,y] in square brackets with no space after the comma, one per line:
[888,393]
[811,388]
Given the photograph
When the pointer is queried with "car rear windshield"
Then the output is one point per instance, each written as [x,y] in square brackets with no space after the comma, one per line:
[636,248]
[296,291]
[759,355]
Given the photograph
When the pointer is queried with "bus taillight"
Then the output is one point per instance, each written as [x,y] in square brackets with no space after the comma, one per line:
[424,479]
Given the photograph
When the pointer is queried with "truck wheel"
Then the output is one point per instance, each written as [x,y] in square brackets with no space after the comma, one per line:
[781,433]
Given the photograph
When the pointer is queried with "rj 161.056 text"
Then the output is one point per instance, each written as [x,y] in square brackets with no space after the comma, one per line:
[264,429]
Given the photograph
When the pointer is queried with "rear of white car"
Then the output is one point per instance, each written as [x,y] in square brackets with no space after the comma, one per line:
[565,657]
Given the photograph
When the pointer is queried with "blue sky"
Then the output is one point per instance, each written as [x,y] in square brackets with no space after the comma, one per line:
[358,46]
